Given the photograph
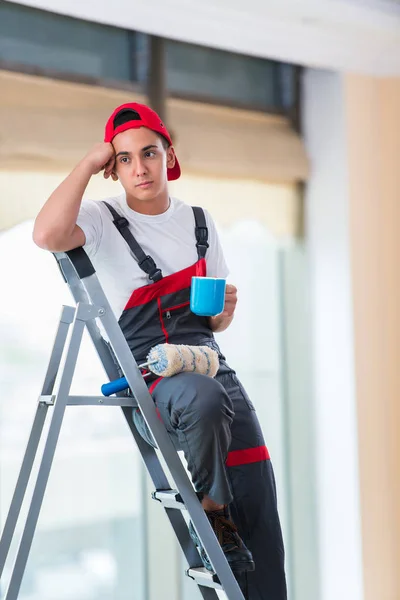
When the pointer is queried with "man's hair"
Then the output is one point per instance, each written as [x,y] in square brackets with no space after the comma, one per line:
[128,114]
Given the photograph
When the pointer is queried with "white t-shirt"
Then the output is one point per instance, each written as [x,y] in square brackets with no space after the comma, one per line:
[169,238]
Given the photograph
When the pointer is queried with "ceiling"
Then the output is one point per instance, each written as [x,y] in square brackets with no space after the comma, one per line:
[348,35]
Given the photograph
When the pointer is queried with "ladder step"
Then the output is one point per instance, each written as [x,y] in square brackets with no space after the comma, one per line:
[91,400]
[204,577]
[169,499]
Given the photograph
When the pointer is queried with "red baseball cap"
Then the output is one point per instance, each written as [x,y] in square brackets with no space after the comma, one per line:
[134,115]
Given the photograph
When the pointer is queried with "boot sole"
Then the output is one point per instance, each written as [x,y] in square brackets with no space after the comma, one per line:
[236,567]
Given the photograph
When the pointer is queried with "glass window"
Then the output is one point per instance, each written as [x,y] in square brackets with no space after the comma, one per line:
[215,74]
[37,39]
[42,39]
[89,543]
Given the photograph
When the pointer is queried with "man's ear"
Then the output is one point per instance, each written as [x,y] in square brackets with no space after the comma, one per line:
[171,157]
[114,176]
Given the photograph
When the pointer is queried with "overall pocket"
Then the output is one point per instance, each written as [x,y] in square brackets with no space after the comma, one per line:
[174,311]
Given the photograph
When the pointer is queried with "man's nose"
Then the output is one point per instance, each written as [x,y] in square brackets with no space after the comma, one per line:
[140,167]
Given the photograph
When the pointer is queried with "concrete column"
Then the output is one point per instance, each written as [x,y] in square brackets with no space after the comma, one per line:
[332,349]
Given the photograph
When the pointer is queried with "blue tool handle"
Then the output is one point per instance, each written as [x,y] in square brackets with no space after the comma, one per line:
[114,386]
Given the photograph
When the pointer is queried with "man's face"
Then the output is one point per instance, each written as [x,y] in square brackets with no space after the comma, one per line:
[141,163]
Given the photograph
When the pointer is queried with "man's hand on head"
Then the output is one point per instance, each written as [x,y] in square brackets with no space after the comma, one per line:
[222,321]
[102,156]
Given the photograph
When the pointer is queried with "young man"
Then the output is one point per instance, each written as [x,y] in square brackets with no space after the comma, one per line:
[145,247]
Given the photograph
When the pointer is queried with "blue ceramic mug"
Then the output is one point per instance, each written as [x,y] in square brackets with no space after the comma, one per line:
[207,296]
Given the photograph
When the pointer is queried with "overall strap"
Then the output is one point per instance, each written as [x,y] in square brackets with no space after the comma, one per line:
[145,262]
[201,231]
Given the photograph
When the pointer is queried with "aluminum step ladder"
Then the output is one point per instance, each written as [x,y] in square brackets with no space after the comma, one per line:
[117,360]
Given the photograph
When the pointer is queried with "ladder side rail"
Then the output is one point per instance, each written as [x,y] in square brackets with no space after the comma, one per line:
[28,460]
[82,313]
[22,483]
[188,548]
[85,271]
[138,385]
[148,453]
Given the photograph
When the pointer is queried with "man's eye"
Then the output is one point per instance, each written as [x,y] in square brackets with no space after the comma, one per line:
[149,154]
[124,159]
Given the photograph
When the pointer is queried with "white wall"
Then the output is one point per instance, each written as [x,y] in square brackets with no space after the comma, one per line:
[332,338]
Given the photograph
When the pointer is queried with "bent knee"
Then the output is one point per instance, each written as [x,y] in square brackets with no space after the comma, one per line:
[207,396]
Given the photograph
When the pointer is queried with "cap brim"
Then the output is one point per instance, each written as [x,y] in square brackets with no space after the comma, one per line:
[175,172]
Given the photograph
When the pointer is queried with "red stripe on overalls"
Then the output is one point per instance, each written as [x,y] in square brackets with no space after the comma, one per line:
[151,390]
[165,332]
[247,456]
[154,385]
[167,285]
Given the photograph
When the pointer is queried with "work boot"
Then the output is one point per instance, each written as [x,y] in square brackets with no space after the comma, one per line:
[238,556]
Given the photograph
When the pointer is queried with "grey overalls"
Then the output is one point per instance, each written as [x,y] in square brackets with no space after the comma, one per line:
[212,420]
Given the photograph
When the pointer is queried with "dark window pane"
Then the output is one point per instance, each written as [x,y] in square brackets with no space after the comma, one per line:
[215,74]
[41,39]
[286,83]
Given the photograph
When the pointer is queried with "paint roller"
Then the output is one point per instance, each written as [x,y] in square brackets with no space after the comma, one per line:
[166,360]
